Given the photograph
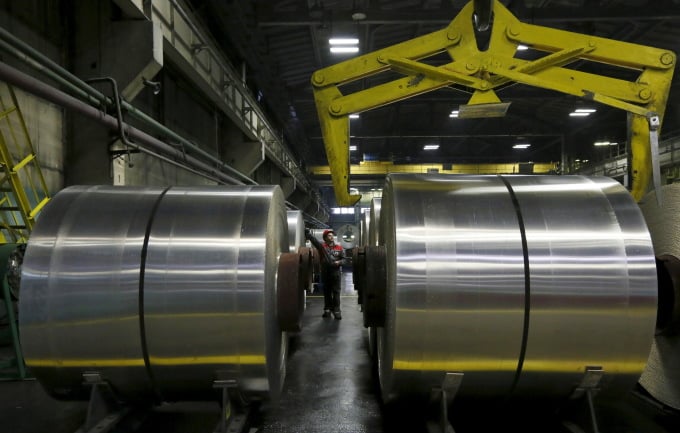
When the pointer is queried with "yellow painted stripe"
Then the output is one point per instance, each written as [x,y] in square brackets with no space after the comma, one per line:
[139,362]
[547,366]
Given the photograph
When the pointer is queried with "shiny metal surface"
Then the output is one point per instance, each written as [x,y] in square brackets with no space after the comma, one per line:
[205,309]
[374,225]
[296,230]
[373,235]
[593,283]
[363,228]
[661,377]
[460,298]
[79,309]
[347,235]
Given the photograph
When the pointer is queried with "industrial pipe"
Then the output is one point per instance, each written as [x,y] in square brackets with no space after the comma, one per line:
[42,63]
[34,86]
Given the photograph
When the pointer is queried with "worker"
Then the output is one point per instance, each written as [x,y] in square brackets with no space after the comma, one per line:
[332,258]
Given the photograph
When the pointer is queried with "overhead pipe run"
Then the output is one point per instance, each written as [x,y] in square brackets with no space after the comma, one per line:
[36,87]
[40,62]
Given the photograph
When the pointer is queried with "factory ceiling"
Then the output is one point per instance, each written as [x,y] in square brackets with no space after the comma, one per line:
[282,43]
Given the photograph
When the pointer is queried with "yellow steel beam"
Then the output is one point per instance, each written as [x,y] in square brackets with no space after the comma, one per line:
[379,168]
[483,71]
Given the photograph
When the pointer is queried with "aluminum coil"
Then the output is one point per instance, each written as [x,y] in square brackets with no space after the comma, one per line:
[661,377]
[161,292]
[373,240]
[365,224]
[296,230]
[374,226]
[520,283]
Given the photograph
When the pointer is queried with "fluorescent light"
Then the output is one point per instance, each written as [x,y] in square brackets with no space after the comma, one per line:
[605,143]
[343,41]
[582,112]
[454,113]
[353,116]
[344,50]
[521,47]
[521,146]
[431,147]
[352,148]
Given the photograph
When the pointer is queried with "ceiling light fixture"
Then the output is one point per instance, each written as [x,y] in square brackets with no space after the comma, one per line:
[582,112]
[353,116]
[454,113]
[521,47]
[344,45]
[352,148]
[344,50]
[431,147]
[605,143]
[521,146]
[343,41]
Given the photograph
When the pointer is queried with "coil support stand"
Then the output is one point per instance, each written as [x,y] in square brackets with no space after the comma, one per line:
[588,388]
[443,397]
[104,410]
[235,411]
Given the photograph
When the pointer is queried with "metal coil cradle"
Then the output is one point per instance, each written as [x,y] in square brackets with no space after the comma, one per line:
[512,286]
[161,292]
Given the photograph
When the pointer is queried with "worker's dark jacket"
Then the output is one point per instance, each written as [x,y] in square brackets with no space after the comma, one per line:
[329,255]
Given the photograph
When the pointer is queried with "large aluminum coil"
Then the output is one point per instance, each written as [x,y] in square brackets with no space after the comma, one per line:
[661,377]
[365,224]
[519,283]
[296,230]
[374,240]
[374,226]
[161,292]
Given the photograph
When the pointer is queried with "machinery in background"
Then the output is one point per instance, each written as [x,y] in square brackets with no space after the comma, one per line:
[145,294]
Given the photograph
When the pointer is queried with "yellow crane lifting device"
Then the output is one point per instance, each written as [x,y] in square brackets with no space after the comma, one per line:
[483,71]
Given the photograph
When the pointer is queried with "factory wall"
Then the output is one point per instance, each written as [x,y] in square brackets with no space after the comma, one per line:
[37,23]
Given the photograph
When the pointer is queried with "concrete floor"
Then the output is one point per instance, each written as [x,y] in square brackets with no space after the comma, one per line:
[329,387]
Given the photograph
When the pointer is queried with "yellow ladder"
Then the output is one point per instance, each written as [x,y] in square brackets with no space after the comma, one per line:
[23,191]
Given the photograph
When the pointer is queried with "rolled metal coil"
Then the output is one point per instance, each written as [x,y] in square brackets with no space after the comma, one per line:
[374,240]
[365,223]
[374,226]
[520,283]
[347,236]
[160,291]
[661,377]
[296,230]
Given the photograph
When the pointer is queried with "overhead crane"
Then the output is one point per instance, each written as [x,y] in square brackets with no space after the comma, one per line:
[484,71]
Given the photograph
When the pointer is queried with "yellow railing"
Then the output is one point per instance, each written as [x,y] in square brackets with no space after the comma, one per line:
[23,191]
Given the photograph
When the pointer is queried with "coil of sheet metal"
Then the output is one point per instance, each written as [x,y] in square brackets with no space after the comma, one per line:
[365,223]
[159,291]
[374,226]
[296,230]
[520,284]
[661,377]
